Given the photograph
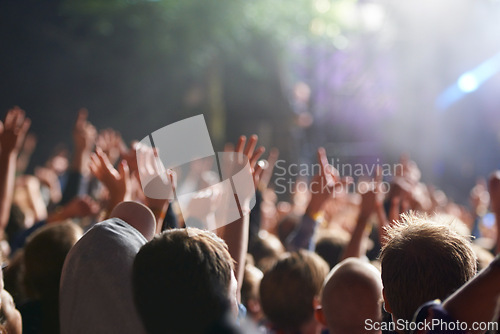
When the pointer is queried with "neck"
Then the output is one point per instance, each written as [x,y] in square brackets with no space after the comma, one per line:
[311,327]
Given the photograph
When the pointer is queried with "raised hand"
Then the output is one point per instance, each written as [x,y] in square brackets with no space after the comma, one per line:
[236,233]
[15,128]
[26,151]
[372,199]
[150,171]
[111,143]
[249,150]
[84,133]
[131,155]
[324,185]
[78,207]
[30,143]
[48,177]
[371,202]
[268,172]
[116,181]
[12,134]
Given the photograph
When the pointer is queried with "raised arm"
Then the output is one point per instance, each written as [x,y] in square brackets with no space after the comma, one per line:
[145,164]
[78,207]
[116,181]
[236,233]
[322,188]
[84,135]
[25,153]
[14,128]
[370,201]
[477,301]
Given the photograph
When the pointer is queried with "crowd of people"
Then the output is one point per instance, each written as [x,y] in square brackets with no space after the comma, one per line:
[84,250]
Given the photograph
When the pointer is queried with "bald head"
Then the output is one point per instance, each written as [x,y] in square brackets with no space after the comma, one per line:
[352,293]
[138,216]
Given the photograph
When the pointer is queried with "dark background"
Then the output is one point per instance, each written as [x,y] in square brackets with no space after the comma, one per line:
[374,69]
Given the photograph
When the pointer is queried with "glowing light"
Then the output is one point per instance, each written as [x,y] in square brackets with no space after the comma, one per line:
[373,16]
[322,6]
[317,27]
[468,82]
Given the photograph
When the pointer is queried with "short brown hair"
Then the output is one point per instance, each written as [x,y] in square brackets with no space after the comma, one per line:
[266,249]
[421,261]
[287,290]
[250,284]
[181,281]
[330,245]
[44,256]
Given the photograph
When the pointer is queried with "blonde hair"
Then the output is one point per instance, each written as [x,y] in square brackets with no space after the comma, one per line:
[421,261]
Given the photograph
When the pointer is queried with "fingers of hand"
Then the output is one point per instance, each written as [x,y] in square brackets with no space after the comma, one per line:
[250,147]
[124,170]
[82,117]
[241,144]
[256,155]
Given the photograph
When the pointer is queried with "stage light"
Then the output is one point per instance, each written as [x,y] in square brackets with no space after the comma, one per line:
[468,82]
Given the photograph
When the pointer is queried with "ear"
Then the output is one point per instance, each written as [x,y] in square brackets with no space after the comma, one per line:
[319,315]
[253,305]
[387,306]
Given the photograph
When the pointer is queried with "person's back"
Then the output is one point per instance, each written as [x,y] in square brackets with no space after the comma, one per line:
[352,298]
[96,288]
[421,261]
[96,282]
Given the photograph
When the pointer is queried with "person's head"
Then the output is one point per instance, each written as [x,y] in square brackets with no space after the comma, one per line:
[183,281]
[266,248]
[44,256]
[421,261]
[290,290]
[352,293]
[330,246]
[250,291]
[96,280]
[138,216]
[286,226]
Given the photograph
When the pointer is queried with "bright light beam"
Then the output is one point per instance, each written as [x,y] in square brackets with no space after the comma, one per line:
[469,82]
